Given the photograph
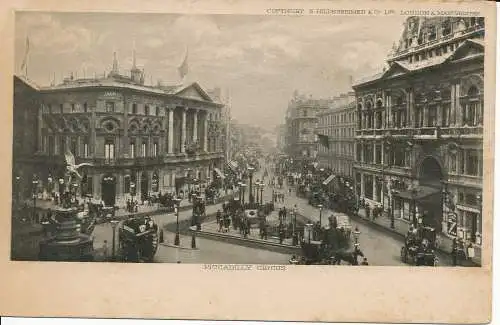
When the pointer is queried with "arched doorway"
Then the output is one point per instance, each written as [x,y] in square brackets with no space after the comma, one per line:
[431,176]
[431,173]
[144,186]
[108,189]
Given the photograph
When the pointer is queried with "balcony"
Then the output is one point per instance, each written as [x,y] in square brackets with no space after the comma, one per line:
[466,180]
[472,132]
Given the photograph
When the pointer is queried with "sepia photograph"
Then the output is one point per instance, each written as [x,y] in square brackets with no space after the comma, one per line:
[315,161]
[168,138]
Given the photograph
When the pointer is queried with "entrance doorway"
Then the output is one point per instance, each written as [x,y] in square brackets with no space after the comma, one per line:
[144,186]
[108,189]
[431,175]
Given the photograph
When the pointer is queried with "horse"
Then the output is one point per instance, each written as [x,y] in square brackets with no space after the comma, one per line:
[349,257]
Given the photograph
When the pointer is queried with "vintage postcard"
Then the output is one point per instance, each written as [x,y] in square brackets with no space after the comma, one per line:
[307,161]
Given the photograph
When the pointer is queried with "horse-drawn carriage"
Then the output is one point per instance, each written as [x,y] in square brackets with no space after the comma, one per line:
[330,245]
[419,248]
[138,239]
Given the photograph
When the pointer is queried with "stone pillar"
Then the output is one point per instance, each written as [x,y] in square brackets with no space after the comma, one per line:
[96,186]
[362,185]
[374,148]
[453,105]
[205,132]
[120,199]
[171,130]
[138,185]
[195,126]
[183,131]
[439,114]
[458,108]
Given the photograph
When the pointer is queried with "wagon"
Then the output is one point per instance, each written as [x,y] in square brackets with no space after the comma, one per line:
[419,248]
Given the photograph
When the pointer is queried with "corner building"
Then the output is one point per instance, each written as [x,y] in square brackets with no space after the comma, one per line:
[419,151]
[338,123]
[139,138]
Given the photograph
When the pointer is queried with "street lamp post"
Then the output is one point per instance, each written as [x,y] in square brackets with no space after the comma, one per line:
[250,195]
[295,238]
[114,223]
[177,240]
[243,186]
[393,192]
[320,206]
[35,184]
[61,190]
[261,192]
[479,198]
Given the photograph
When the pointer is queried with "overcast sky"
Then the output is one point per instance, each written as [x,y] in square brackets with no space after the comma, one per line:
[260,60]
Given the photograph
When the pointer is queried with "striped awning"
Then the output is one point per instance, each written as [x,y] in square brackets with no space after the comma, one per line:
[221,175]
[329,179]
[232,164]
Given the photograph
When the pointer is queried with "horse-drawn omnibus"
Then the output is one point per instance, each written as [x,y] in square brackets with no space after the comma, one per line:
[330,245]
[138,239]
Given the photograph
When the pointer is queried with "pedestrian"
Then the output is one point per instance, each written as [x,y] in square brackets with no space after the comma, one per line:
[105,250]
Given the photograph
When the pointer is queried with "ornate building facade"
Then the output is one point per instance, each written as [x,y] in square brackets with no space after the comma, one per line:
[301,122]
[338,123]
[139,138]
[419,132]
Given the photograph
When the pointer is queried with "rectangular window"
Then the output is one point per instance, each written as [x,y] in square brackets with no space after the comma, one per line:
[109,150]
[431,116]
[378,154]
[51,145]
[85,107]
[471,163]
[61,108]
[49,108]
[62,145]
[143,149]
[155,149]
[157,111]
[85,149]
[132,149]
[72,107]
[110,107]
[74,146]
[134,108]
[146,109]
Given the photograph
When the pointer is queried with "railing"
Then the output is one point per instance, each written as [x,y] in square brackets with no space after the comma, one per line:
[466,180]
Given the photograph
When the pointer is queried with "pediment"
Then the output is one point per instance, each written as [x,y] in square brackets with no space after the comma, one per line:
[194,91]
[396,69]
[469,48]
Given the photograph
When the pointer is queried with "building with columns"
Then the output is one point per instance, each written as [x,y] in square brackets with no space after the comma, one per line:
[140,138]
[419,132]
[338,123]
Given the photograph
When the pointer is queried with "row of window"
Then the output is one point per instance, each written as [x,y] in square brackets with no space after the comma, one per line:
[340,148]
[426,116]
[341,133]
[338,118]
[466,162]
[110,107]
[433,52]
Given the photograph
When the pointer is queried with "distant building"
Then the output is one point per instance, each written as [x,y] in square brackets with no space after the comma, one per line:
[139,137]
[301,122]
[420,127]
[338,123]
[281,137]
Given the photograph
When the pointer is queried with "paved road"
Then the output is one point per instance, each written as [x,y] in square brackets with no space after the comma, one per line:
[380,247]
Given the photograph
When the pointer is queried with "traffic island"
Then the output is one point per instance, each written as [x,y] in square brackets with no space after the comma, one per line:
[209,231]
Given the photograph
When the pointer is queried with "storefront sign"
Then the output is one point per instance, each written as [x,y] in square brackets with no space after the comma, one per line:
[452,224]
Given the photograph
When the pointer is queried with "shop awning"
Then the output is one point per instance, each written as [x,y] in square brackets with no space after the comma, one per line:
[221,175]
[233,165]
[329,179]
[418,193]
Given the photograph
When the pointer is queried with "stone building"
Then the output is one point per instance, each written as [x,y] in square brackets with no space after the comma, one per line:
[420,127]
[338,123]
[140,138]
[301,121]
